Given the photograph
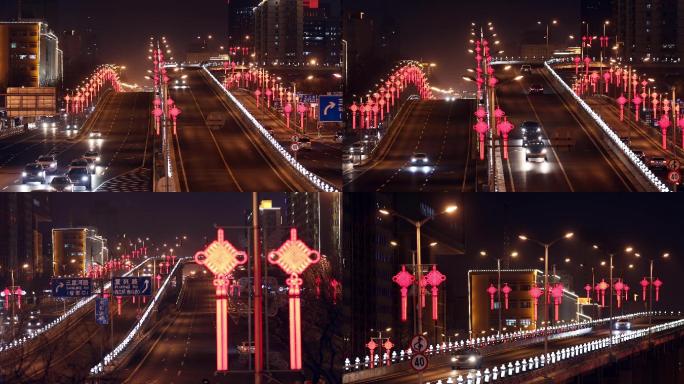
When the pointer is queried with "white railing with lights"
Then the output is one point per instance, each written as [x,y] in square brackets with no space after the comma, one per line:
[80,304]
[525,366]
[557,331]
[316,181]
[638,163]
[111,356]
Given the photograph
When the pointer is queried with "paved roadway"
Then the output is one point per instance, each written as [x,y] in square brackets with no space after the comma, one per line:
[438,128]
[234,157]
[586,166]
[125,147]
[67,356]
[497,358]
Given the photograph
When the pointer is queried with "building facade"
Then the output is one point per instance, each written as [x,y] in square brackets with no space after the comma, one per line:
[74,250]
[279,32]
[322,32]
[241,22]
[650,30]
[30,55]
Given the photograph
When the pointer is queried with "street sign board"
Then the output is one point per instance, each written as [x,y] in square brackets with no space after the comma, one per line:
[71,287]
[101,311]
[330,110]
[583,300]
[419,344]
[132,286]
[419,362]
[674,165]
[674,176]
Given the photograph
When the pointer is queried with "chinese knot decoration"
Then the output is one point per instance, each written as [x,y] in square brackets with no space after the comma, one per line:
[602,286]
[657,283]
[220,258]
[434,278]
[294,257]
[404,279]
[535,292]
[491,290]
[557,293]
[644,283]
[372,345]
[619,286]
[506,290]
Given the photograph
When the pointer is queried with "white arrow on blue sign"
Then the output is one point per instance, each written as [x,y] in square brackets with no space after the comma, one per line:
[330,109]
[132,286]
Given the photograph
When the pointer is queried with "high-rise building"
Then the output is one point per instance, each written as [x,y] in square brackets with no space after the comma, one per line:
[650,30]
[29,55]
[241,22]
[279,31]
[322,32]
[74,250]
[21,242]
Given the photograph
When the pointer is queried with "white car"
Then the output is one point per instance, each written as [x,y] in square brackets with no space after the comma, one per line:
[95,134]
[48,162]
[420,163]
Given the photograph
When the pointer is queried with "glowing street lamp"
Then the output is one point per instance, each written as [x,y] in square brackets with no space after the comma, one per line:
[221,258]
[294,257]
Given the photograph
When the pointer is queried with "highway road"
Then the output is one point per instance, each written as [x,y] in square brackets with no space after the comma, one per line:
[586,165]
[125,147]
[229,156]
[497,358]
[440,129]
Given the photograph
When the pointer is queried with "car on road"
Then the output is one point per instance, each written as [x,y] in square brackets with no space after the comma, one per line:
[79,163]
[71,128]
[304,143]
[466,358]
[246,347]
[531,131]
[657,162]
[61,184]
[95,134]
[339,136]
[536,89]
[80,177]
[622,325]
[420,162]
[33,172]
[48,162]
[535,151]
[357,148]
[92,156]
[526,68]
[33,322]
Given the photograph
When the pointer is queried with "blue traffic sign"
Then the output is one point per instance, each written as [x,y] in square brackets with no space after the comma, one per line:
[132,286]
[71,287]
[330,109]
[101,311]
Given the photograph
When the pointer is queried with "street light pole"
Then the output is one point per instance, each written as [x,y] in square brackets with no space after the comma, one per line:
[546,298]
[498,268]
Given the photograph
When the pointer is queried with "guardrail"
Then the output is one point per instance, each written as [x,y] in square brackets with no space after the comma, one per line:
[641,166]
[80,304]
[308,175]
[528,365]
[360,364]
[110,358]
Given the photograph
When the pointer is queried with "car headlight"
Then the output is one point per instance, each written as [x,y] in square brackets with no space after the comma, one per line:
[472,359]
[528,151]
[84,178]
[92,166]
[45,125]
[42,173]
[23,174]
[97,159]
[453,359]
[53,165]
[413,160]
[544,151]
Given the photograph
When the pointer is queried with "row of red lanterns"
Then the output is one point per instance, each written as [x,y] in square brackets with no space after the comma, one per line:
[161,77]
[88,91]
[405,280]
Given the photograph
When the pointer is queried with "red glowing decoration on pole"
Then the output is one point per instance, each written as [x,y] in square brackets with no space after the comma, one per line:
[535,292]
[423,289]
[388,345]
[434,278]
[404,279]
[353,110]
[6,293]
[175,112]
[637,101]
[626,289]
[506,290]
[557,293]
[664,124]
[644,283]
[619,286]
[505,128]
[588,289]
[287,110]
[622,101]
[481,128]
[220,258]
[372,345]
[294,257]
[577,61]
[602,287]
[657,284]
[491,290]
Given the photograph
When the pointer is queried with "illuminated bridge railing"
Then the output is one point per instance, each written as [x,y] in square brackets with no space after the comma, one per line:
[517,368]
[110,358]
[380,360]
[636,161]
[316,181]
[79,304]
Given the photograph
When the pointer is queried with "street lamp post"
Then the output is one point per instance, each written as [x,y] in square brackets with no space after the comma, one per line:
[546,280]
[418,224]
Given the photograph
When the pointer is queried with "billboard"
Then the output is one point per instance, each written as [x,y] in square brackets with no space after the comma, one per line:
[31,102]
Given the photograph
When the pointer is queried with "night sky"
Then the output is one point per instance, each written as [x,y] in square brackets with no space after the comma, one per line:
[438,30]
[123,27]
[159,216]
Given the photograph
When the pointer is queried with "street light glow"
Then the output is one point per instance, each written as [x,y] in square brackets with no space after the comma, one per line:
[384,212]
[451,209]
[569,235]
[522,237]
